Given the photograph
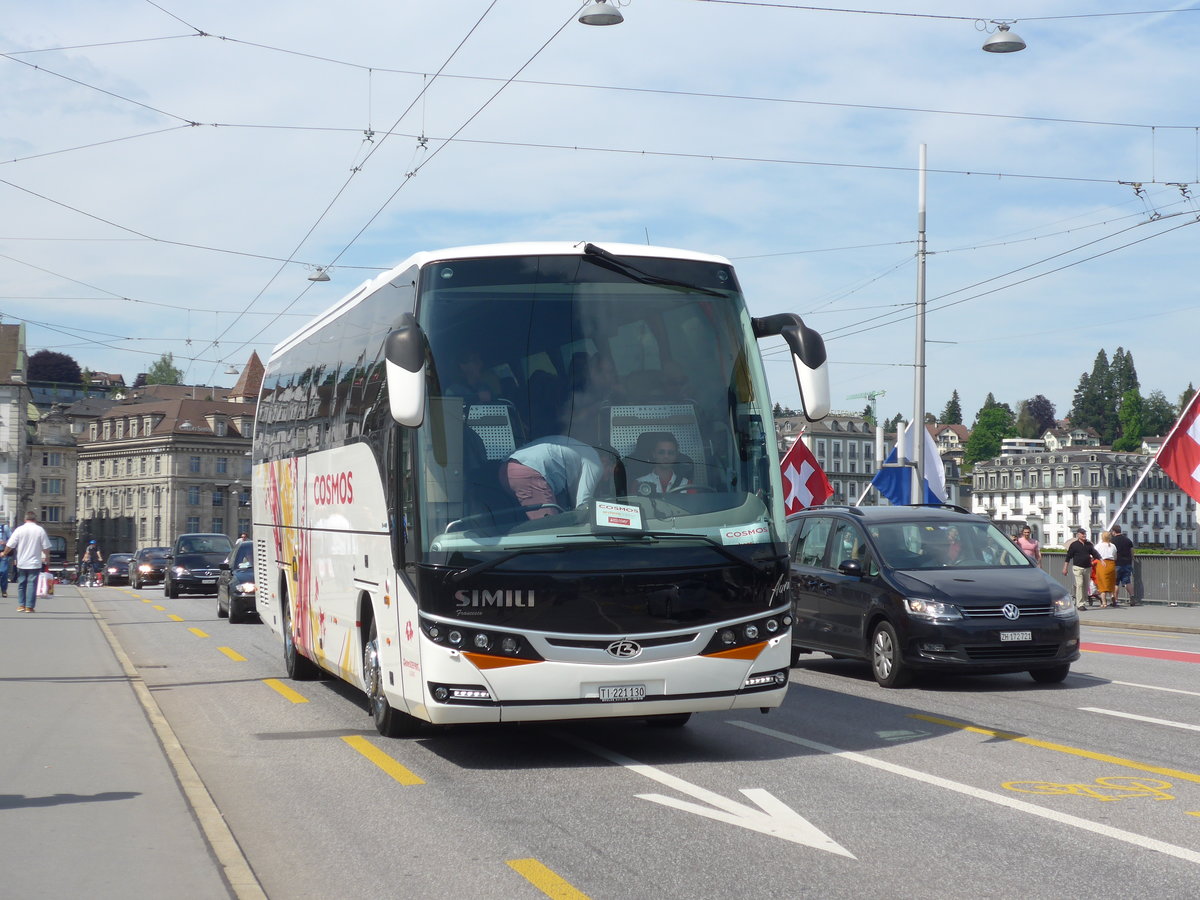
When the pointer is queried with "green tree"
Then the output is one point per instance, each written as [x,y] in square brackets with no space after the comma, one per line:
[868,415]
[1130,440]
[1185,398]
[49,365]
[952,414]
[990,402]
[1158,414]
[164,371]
[1027,425]
[1123,374]
[992,425]
[1095,404]
[1043,412]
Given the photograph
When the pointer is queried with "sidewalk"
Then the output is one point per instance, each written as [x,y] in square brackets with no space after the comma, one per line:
[95,801]
[1146,616]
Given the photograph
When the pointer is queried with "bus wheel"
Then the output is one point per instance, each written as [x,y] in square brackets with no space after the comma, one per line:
[299,666]
[389,722]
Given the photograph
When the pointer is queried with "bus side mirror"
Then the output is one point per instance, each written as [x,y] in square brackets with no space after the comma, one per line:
[404,361]
[808,357]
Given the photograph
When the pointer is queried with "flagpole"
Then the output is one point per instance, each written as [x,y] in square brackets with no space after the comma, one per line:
[1146,471]
[918,443]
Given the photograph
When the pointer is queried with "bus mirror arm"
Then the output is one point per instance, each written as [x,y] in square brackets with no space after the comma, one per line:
[808,357]
[404,359]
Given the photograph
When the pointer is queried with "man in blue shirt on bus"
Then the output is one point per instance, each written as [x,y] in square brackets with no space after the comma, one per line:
[555,473]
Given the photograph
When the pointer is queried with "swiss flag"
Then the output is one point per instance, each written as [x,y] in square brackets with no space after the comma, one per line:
[804,483]
[1180,454]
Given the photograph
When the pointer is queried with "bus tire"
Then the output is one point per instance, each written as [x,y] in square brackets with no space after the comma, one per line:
[299,666]
[390,722]
[674,720]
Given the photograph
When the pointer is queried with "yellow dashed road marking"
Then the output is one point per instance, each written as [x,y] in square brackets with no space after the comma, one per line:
[232,654]
[277,685]
[381,759]
[546,880]
[175,618]
[196,631]
[1062,748]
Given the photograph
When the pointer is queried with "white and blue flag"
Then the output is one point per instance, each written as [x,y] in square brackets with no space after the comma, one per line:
[895,483]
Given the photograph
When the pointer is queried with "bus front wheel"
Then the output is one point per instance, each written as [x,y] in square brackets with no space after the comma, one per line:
[389,722]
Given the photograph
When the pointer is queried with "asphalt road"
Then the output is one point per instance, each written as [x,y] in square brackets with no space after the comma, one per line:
[960,787]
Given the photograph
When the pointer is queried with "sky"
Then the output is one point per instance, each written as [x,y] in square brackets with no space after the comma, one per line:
[171,172]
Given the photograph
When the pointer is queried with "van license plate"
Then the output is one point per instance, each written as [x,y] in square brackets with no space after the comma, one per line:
[618,692]
[1016,635]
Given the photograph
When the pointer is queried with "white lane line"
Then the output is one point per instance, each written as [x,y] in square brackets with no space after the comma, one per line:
[1129,837]
[1125,715]
[1145,687]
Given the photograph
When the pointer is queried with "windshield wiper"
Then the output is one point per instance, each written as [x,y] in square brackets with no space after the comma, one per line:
[500,560]
[601,257]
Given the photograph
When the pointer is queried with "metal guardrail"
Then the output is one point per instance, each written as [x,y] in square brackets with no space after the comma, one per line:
[1157,578]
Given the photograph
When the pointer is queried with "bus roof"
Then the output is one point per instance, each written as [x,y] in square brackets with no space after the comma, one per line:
[483,251]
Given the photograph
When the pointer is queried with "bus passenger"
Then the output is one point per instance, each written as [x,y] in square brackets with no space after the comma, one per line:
[556,473]
[475,384]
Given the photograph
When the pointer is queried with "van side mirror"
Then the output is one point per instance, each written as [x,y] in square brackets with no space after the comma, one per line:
[851,567]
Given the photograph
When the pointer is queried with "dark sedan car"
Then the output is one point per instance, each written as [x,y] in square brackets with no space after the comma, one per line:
[925,588]
[148,566]
[116,569]
[195,563]
[235,585]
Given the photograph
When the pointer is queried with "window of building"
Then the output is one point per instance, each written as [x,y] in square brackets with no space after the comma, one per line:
[52,513]
[218,524]
[218,497]
[52,458]
[129,466]
[157,465]
[107,430]
[133,428]
[52,485]
[120,428]
[243,526]
[193,464]
[193,498]
[192,524]
[103,467]
[222,465]
[142,466]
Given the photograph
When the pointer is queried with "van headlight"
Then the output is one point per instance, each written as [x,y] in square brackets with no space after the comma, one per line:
[931,609]
[1064,606]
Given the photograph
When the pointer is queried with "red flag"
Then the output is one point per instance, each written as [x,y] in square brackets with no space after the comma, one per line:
[804,483]
[1180,453]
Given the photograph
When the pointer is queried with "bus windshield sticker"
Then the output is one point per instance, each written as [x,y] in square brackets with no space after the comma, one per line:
[618,515]
[752,533]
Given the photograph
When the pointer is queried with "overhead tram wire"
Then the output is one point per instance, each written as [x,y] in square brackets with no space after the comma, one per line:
[428,159]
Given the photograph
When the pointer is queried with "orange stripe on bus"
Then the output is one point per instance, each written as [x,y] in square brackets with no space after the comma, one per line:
[486,661]
[750,651]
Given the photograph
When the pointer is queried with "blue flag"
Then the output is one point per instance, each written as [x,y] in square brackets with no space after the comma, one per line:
[896,483]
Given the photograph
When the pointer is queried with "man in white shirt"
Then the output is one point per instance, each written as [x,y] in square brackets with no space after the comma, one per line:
[29,545]
[555,473]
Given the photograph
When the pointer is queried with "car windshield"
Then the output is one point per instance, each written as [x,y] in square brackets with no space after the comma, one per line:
[938,545]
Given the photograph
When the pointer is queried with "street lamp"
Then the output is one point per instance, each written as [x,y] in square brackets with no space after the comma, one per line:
[601,13]
[1003,41]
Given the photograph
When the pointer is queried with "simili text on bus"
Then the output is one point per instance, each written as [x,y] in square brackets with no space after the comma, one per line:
[330,489]
[494,598]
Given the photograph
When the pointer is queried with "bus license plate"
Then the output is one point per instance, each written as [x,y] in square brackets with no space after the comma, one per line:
[1016,635]
[617,692]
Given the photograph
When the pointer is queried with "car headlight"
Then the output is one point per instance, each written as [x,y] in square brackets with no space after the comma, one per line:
[1064,606]
[931,609]
[180,571]
[246,587]
[143,568]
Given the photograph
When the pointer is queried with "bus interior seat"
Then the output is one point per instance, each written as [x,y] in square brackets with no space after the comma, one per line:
[628,423]
[482,491]
[498,426]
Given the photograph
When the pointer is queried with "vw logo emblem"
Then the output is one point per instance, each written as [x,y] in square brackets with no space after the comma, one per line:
[624,649]
[1011,611]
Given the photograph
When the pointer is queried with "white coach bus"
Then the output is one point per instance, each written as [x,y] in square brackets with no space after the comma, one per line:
[392,553]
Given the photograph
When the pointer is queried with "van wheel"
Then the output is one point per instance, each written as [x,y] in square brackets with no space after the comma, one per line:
[389,722]
[299,666]
[1053,675]
[170,590]
[886,664]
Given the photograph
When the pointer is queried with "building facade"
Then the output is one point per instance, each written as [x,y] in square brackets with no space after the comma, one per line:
[51,472]
[1056,491]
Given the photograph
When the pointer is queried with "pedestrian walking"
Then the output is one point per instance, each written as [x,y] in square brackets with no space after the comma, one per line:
[1106,570]
[1080,554]
[1124,561]
[4,570]
[1027,545]
[29,548]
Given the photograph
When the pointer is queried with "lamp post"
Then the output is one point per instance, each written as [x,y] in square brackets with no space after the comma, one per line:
[918,437]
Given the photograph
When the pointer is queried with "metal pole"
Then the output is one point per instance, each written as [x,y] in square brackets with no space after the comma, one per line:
[918,436]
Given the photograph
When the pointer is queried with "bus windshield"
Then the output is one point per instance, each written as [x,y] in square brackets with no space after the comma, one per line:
[575,399]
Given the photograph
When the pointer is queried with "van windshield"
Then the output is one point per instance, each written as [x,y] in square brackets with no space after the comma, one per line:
[939,545]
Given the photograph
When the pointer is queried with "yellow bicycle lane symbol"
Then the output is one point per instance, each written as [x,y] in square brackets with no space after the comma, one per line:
[1115,787]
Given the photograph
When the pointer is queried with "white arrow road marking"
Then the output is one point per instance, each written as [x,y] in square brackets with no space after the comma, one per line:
[772,817]
[1125,715]
[1129,837]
